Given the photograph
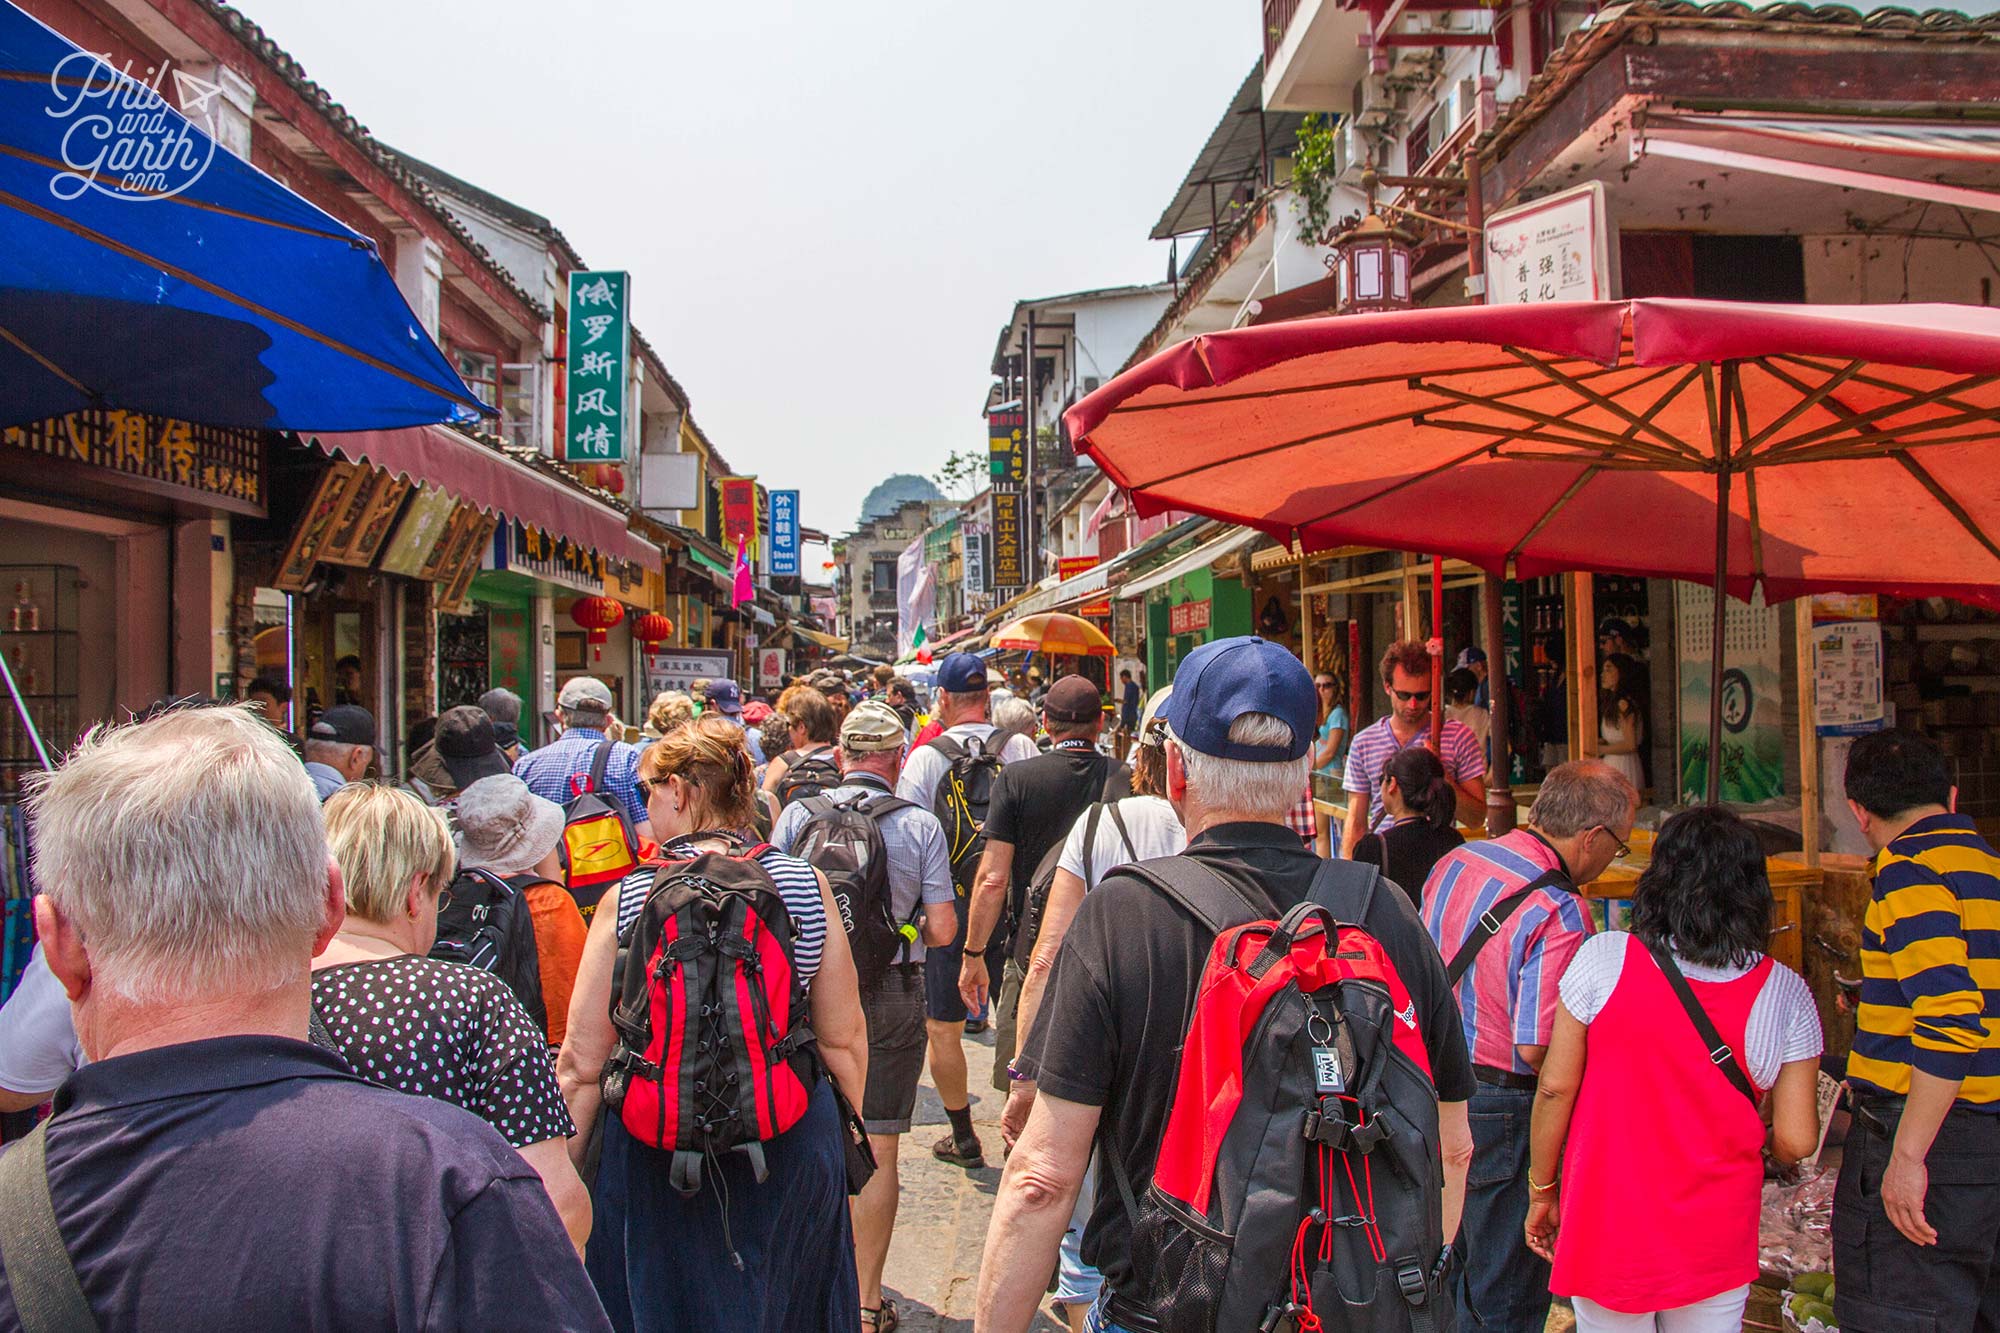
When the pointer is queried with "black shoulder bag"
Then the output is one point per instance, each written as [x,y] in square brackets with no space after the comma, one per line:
[1718,1049]
[1494,918]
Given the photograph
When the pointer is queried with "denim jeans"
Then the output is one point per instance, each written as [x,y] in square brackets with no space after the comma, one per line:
[1503,1284]
[1096,1321]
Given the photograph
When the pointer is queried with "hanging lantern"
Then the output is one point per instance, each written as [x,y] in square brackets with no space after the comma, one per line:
[652,630]
[1371,261]
[611,477]
[597,614]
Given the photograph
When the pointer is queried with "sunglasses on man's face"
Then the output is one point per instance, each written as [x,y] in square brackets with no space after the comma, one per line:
[1412,696]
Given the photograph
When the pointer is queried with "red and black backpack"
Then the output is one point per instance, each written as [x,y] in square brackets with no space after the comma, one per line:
[1299,1183]
[714,1051]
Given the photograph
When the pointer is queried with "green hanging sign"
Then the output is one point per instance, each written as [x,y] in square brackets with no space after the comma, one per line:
[597,367]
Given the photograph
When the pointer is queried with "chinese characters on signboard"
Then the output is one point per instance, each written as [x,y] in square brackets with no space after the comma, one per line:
[219,465]
[596,370]
[1753,721]
[784,533]
[975,564]
[739,513]
[1007,459]
[1554,249]
[1847,665]
[1188,617]
[1068,568]
[1010,571]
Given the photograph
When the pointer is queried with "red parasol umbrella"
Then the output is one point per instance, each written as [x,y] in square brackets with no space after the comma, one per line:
[1851,448]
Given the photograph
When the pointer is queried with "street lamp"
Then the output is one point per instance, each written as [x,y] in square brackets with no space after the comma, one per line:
[1371,261]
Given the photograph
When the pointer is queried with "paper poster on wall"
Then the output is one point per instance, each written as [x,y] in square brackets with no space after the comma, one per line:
[1753,727]
[1847,673]
[679,669]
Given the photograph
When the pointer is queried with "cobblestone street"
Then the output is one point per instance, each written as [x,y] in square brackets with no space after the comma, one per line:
[941,1228]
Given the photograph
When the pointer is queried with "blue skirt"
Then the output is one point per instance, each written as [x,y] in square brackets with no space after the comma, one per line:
[662,1263]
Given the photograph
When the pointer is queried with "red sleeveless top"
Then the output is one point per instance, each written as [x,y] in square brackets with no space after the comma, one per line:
[1663,1171]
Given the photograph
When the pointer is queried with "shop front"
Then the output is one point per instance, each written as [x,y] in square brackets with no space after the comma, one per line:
[115,542]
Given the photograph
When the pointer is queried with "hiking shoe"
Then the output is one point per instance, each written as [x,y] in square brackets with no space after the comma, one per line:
[883,1318]
[975,1026]
[970,1155]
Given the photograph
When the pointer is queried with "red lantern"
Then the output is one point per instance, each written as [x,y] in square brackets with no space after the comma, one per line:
[652,630]
[597,614]
[611,478]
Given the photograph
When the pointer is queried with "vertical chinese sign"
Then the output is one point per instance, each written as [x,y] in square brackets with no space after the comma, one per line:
[784,534]
[1007,459]
[739,513]
[1554,249]
[597,367]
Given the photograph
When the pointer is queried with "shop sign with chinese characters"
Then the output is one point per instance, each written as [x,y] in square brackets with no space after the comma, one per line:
[1188,617]
[596,371]
[784,533]
[739,513]
[554,560]
[220,466]
[1554,249]
[1010,539]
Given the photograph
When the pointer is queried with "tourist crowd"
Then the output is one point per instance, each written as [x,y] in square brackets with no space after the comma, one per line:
[625,1031]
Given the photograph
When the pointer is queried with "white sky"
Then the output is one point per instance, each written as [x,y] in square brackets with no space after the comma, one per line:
[829,208]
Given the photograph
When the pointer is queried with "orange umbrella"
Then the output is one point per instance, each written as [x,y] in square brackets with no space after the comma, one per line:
[1054,633]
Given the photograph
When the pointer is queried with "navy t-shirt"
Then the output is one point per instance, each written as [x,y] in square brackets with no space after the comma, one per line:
[254,1183]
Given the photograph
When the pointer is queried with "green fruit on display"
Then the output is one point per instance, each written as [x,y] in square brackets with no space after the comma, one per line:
[1805,1309]
[1813,1285]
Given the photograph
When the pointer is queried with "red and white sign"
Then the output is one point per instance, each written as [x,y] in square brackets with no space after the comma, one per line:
[1069,567]
[1188,617]
[1554,249]
[770,667]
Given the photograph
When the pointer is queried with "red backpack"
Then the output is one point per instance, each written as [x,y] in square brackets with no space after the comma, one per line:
[1299,1176]
[714,1051]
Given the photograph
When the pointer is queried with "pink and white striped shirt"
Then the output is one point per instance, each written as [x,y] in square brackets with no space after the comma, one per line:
[1509,996]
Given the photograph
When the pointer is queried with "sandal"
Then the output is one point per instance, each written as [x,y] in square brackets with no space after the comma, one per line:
[971,1156]
[883,1318]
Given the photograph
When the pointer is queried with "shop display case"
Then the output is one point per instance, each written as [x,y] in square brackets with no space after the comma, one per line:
[38,637]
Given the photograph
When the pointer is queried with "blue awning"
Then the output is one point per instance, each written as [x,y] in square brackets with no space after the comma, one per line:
[143,266]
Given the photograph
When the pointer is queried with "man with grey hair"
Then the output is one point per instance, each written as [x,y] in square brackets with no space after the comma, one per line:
[339,747]
[560,771]
[1506,913]
[1103,1047]
[186,887]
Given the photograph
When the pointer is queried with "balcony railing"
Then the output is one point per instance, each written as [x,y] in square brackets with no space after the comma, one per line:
[1278,15]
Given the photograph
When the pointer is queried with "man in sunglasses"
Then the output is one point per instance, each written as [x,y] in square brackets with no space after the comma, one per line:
[1406,677]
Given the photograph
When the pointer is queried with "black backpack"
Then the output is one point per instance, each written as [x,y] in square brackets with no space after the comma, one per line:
[714,1049]
[807,773]
[843,841]
[1298,1180]
[487,925]
[1028,926]
[960,802]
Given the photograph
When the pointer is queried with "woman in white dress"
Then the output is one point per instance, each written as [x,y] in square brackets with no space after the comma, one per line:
[1621,729]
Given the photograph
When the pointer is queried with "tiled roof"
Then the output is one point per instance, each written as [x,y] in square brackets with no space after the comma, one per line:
[1585,46]
[254,37]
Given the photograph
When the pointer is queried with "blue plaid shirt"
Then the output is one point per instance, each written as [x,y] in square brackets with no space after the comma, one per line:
[548,771]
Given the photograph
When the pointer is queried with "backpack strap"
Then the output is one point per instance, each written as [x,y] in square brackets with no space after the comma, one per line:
[1718,1049]
[316,1031]
[1090,838]
[1118,819]
[1494,918]
[1201,893]
[599,761]
[878,806]
[1334,880]
[947,745]
[40,1274]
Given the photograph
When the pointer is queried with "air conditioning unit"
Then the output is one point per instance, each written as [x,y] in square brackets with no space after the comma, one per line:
[1457,105]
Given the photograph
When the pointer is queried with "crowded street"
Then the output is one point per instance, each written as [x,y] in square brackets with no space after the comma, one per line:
[1302,666]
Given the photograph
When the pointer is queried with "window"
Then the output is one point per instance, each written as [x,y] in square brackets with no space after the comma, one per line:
[518,394]
[884,574]
[481,374]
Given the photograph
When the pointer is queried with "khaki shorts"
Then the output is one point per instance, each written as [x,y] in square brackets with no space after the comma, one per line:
[1006,1008]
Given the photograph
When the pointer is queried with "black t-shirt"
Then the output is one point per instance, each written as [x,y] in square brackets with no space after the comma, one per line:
[1117,1007]
[1036,802]
[1407,852]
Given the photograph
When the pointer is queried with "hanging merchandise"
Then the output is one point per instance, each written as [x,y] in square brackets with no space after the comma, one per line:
[597,615]
[652,630]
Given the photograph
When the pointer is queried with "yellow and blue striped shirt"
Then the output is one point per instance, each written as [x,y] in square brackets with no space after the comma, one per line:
[1930,964]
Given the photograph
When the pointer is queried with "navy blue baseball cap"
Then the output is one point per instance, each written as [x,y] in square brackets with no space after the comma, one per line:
[1221,681]
[961,673]
[725,696]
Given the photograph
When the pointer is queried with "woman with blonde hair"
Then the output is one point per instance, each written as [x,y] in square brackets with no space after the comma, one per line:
[781,1254]
[420,1025]
[669,709]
